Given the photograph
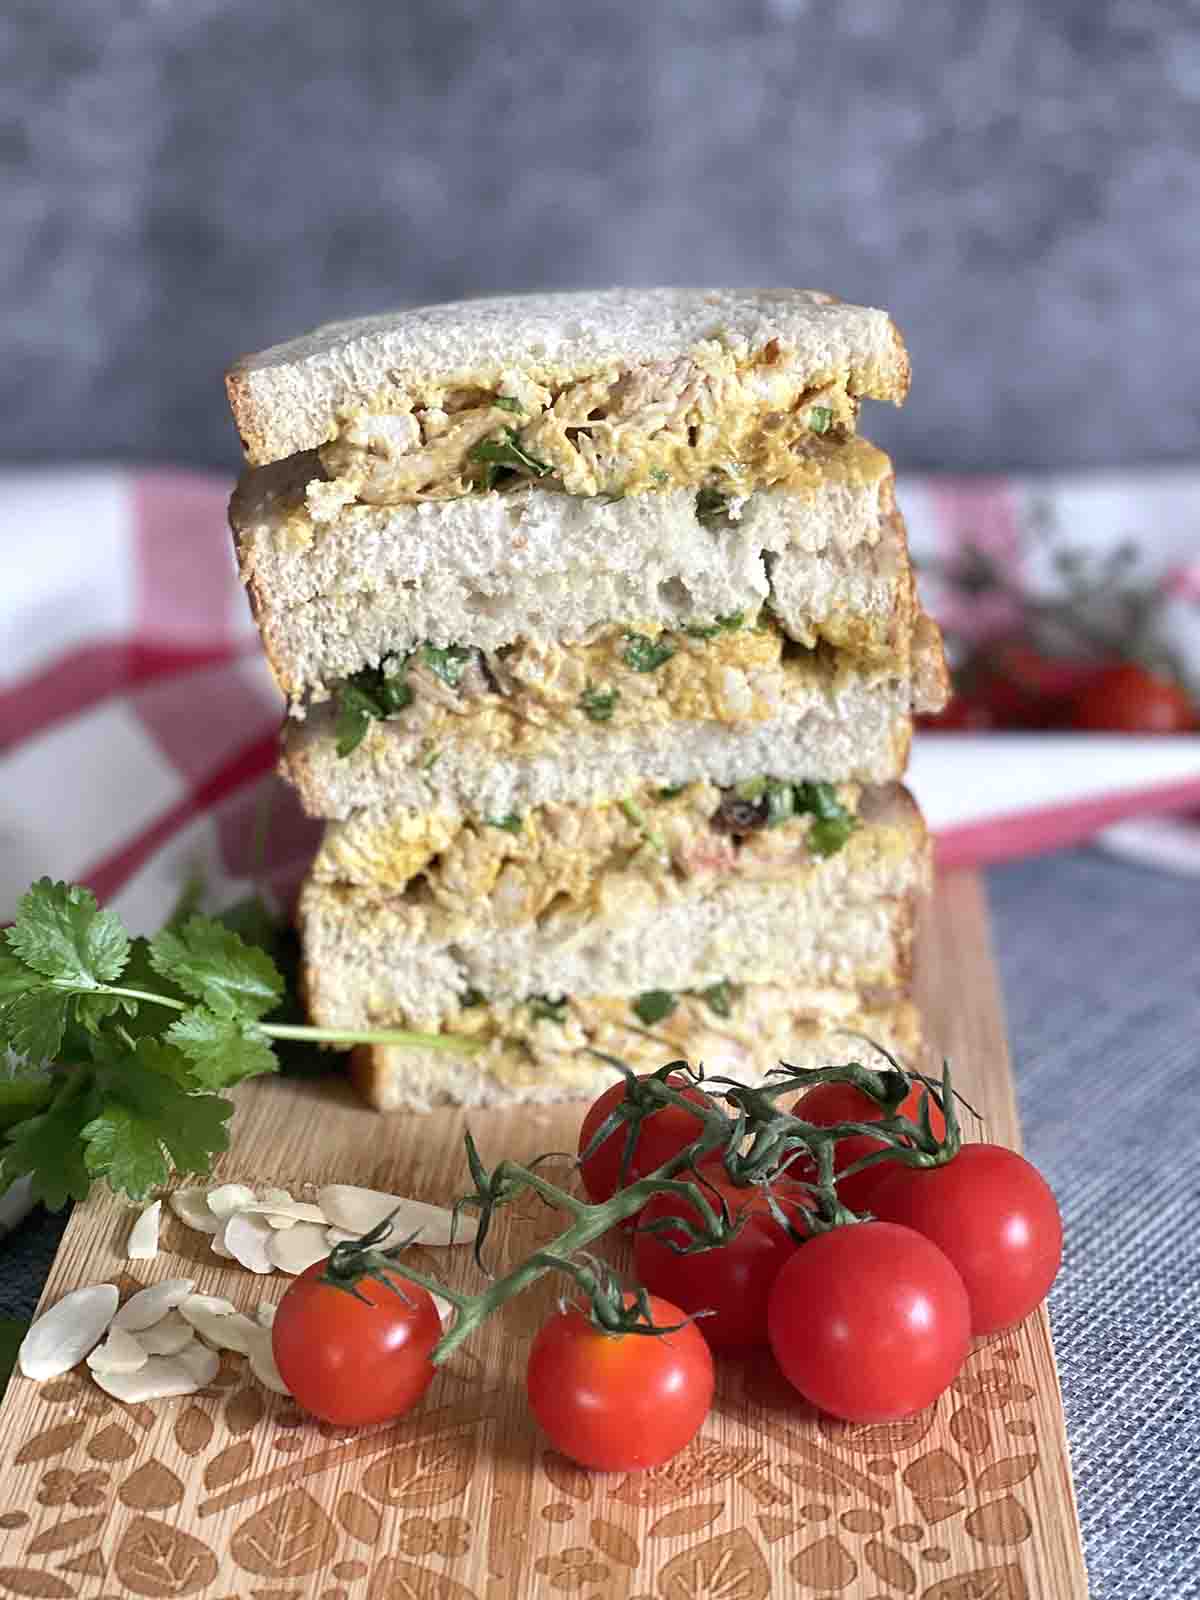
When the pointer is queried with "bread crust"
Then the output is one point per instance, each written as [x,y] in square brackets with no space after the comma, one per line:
[284,399]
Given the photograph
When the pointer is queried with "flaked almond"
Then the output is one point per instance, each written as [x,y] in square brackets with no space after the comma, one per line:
[339,1236]
[262,1363]
[294,1249]
[167,1337]
[151,1305]
[265,1314]
[277,1195]
[159,1379]
[143,1236]
[284,1215]
[200,1361]
[216,1304]
[191,1207]
[246,1239]
[120,1352]
[227,1198]
[66,1333]
[218,1322]
[219,1247]
[360,1210]
[444,1309]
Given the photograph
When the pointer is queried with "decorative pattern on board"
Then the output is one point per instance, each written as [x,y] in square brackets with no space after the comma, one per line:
[124,1499]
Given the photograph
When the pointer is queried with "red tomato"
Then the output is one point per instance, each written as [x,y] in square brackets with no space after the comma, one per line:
[733,1280]
[829,1103]
[349,1362]
[1128,698]
[662,1135]
[870,1322]
[994,1216]
[619,1402]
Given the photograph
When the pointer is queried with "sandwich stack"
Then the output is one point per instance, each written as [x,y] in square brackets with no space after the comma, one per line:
[601,647]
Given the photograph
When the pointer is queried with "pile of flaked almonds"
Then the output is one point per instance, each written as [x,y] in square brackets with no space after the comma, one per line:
[165,1339]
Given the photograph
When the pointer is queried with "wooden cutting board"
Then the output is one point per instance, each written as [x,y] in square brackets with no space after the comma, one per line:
[233,1493]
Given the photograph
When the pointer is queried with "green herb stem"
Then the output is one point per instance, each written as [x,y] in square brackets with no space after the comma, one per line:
[451,1043]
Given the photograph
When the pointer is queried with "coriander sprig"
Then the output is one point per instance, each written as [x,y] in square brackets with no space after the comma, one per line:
[133,1040]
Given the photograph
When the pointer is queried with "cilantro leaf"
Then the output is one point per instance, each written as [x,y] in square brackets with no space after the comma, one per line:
[221,1050]
[512,823]
[447,664]
[33,1023]
[546,1008]
[17,979]
[599,704]
[645,655]
[148,1121]
[48,1148]
[671,791]
[506,402]
[212,964]
[505,451]
[718,997]
[62,933]
[654,1005]
[370,696]
[711,506]
[727,624]
[820,418]
[833,823]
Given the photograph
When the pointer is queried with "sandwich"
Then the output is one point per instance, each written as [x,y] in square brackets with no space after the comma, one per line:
[600,645]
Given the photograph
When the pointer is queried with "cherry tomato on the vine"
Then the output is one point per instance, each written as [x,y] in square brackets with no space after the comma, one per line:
[1129,698]
[994,1216]
[661,1135]
[830,1103]
[869,1321]
[351,1363]
[619,1402]
[733,1280]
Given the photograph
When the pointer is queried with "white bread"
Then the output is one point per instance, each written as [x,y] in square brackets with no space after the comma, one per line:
[806,1031]
[856,727]
[488,569]
[843,921]
[284,399]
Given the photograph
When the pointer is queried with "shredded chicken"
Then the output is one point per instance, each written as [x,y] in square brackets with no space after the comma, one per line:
[686,421]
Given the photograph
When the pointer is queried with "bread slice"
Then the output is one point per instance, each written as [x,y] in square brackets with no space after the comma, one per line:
[287,399]
[828,549]
[766,1024]
[409,959]
[834,722]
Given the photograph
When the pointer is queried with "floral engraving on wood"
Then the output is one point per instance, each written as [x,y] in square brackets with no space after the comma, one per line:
[825,1565]
[987,1583]
[162,1562]
[729,1567]
[288,1538]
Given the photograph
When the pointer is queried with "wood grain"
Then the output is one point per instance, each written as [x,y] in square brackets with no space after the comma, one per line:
[232,1492]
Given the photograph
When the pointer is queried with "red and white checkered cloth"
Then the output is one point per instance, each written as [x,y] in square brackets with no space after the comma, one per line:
[138,721]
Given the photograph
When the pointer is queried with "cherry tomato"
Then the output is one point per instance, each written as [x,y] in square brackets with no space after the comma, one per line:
[1128,698]
[662,1135]
[829,1103]
[994,1216]
[869,1321]
[619,1402]
[732,1280]
[349,1362]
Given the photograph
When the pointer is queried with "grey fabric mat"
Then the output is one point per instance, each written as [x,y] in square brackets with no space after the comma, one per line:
[1101,970]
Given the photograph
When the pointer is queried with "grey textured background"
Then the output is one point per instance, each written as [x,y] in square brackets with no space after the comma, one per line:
[183,180]
[1104,1017]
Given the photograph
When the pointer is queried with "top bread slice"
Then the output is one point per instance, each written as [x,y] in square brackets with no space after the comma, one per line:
[286,399]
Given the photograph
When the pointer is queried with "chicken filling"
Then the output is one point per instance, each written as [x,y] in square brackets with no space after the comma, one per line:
[711,420]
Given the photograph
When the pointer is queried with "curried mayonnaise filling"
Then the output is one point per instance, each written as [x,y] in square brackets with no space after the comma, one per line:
[525,697]
[708,419]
